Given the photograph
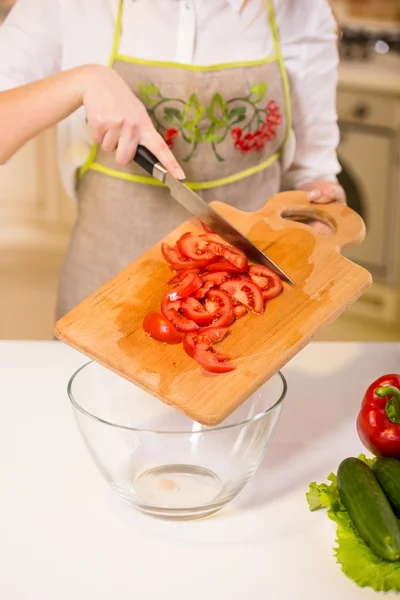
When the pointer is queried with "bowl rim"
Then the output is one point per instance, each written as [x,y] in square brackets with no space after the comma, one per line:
[205,429]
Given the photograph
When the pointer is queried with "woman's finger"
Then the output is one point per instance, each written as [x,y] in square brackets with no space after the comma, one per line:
[155,143]
[111,138]
[327,193]
[98,130]
[127,143]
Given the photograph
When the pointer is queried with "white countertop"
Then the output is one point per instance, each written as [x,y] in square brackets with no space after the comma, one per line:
[380,74]
[64,536]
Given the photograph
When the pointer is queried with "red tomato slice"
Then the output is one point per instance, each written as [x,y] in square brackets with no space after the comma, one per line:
[192,309]
[220,306]
[240,311]
[170,311]
[230,254]
[173,256]
[182,274]
[203,338]
[159,328]
[247,292]
[190,265]
[217,278]
[214,237]
[223,266]
[269,281]
[206,228]
[188,343]
[212,361]
[179,262]
[262,282]
[211,335]
[203,290]
[188,285]
[194,247]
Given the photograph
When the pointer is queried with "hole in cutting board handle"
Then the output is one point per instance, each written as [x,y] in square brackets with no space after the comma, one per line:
[323,225]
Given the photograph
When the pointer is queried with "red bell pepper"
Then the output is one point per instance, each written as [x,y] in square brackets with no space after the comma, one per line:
[378,422]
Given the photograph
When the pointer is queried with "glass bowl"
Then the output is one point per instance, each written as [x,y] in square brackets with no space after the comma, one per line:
[159,460]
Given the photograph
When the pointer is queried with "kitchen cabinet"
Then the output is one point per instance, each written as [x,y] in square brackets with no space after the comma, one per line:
[368,107]
[366,158]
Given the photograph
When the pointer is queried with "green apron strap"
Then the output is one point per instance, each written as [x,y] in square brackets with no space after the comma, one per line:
[117,34]
[279,57]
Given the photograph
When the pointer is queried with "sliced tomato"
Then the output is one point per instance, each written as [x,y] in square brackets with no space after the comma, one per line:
[244,276]
[223,266]
[187,286]
[174,256]
[240,311]
[212,335]
[192,309]
[247,292]
[170,311]
[212,361]
[206,228]
[218,277]
[189,341]
[159,328]
[214,237]
[191,265]
[262,282]
[267,280]
[179,262]
[230,254]
[194,247]
[236,302]
[182,274]
[201,292]
[203,338]
[220,306]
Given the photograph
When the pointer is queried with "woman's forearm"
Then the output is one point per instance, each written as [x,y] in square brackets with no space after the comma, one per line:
[117,120]
[28,110]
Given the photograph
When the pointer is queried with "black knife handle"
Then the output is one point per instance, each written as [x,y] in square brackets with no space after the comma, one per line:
[145,159]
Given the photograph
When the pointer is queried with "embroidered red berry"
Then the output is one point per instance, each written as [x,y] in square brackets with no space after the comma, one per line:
[272,106]
[236,133]
[170,135]
[257,139]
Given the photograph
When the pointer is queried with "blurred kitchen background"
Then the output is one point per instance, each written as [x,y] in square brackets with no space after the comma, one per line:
[36,217]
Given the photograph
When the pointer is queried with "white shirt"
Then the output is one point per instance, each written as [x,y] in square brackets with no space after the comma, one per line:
[41,37]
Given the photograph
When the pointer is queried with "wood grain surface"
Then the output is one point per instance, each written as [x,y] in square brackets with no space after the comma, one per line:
[107,326]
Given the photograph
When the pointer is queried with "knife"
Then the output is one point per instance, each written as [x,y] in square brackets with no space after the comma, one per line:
[202,211]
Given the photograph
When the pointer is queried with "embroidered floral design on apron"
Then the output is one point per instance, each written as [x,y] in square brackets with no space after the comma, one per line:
[122,212]
[197,124]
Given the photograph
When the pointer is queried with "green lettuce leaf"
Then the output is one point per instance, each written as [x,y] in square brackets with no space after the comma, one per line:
[356,559]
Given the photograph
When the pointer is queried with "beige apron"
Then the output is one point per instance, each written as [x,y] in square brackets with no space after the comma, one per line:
[226,124]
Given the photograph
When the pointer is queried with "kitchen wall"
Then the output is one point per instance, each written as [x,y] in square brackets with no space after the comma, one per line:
[378,10]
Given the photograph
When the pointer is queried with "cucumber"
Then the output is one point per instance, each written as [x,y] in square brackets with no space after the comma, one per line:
[368,508]
[387,472]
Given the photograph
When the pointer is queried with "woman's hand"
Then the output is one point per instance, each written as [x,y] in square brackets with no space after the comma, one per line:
[118,120]
[323,192]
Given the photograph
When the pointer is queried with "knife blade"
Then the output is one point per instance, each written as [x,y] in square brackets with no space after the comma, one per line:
[203,211]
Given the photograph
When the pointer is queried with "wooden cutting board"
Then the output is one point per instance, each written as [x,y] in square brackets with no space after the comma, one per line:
[107,326]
